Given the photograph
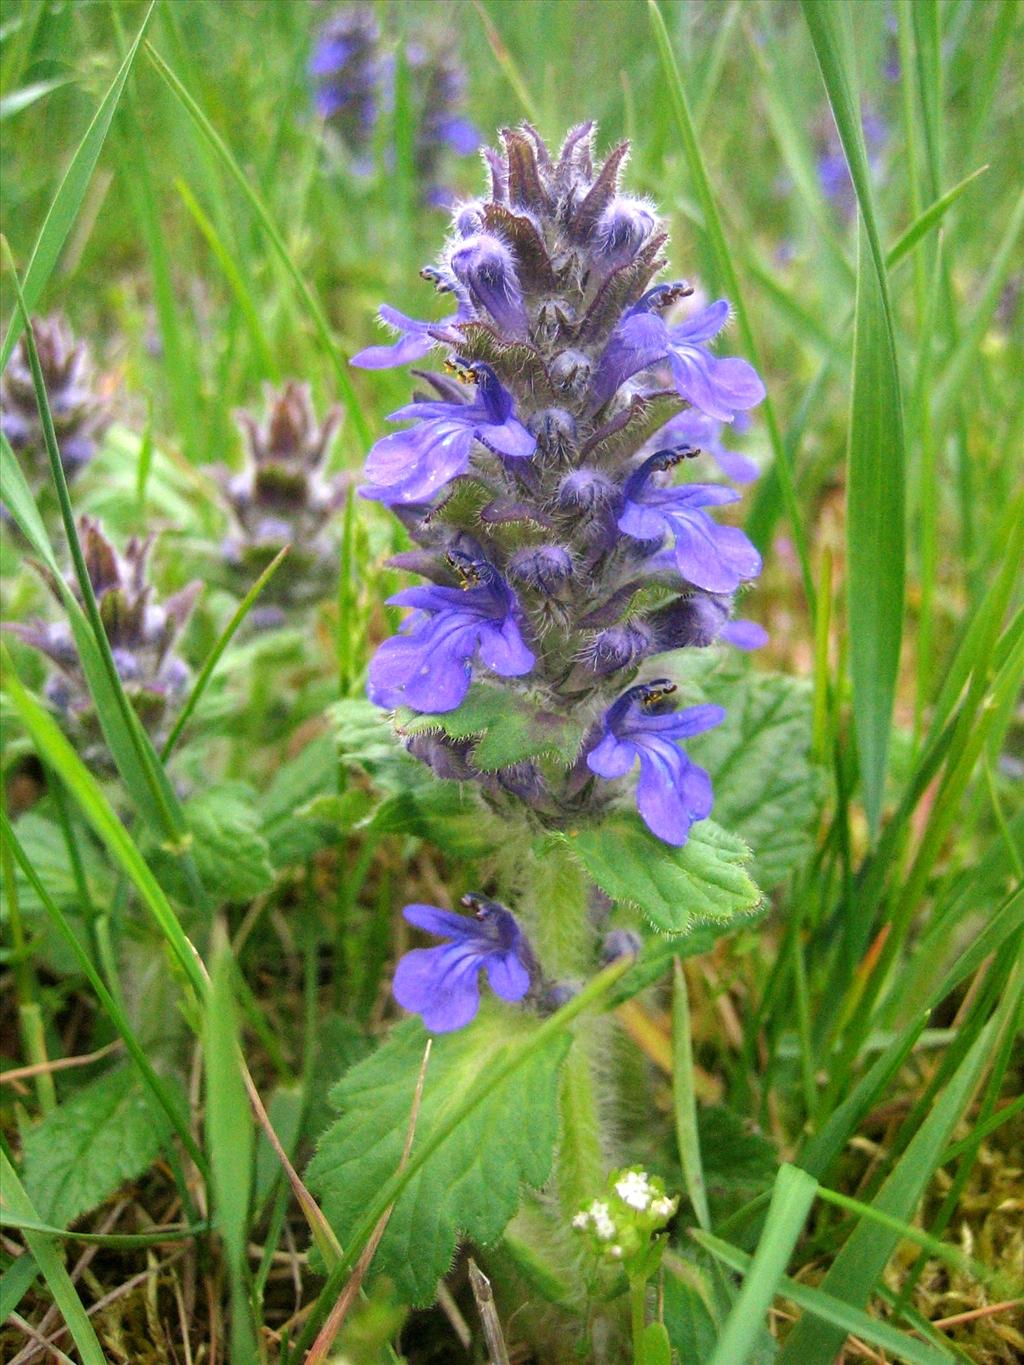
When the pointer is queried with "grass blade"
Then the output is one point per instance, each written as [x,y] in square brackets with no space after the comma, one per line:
[49,1262]
[130,745]
[230,1142]
[833,1310]
[792,1198]
[58,753]
[727,272]
[338,360]
[68,200]
[856,1269]
[685,1100]
[241,612]
[875,532]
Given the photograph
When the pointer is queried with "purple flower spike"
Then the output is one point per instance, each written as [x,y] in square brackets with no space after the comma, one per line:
[695,428]
[443,984]
[719,386]
[411,467]
[672,793]
[430,666]
[716,558]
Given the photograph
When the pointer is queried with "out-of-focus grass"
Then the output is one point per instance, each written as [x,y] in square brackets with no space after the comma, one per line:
[213,247]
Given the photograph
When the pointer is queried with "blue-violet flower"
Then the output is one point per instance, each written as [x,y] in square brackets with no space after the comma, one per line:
[442,984]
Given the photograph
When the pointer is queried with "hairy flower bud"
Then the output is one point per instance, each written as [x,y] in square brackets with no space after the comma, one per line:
[619,647]
[485,265]
[623,228]
[142,633]
[80,415]
[586,490]
[284,496]
[544,568]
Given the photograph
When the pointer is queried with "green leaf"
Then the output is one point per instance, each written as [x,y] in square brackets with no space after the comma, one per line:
[791,1202]
[470,1185]
[831,1309]
[58,1281]
[229,1141]
[64,209]
[231,854]
[855,1271]
[655,1348]
[508,729]
[767,789]
[875,534]
[87,1147]
[676,888]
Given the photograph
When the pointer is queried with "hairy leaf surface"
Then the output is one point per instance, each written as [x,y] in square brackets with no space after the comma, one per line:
[470,1186]
[676,888]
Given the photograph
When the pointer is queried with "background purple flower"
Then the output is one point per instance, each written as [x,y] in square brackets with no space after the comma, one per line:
[672,792]
[442,984]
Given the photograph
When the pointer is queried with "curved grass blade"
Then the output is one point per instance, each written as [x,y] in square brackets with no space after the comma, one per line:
[338,360]
[792,1198]
[46,1258]
[860,1263]
[234,278]
[875,532]
[727,271]
[58,753]
[206,674]
[130,745]
[68,200]
[230,1141]
[830,1309]
[113,1010]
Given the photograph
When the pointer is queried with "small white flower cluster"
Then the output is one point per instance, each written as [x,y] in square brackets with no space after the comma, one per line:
[622,1224]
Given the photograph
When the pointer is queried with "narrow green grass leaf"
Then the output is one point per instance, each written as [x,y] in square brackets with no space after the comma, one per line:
[928,219]
[229,1142]
[507,64]
[338,360]
[158,1088]
[68,200]
[830,1309]
[960,364]
[875,532]
[860,1262]
[727,272]
[207,670]
[49,1262]
[58,753]
[791,1202]
[24,98]
[235,282]
[685,1100]
[15,1283]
